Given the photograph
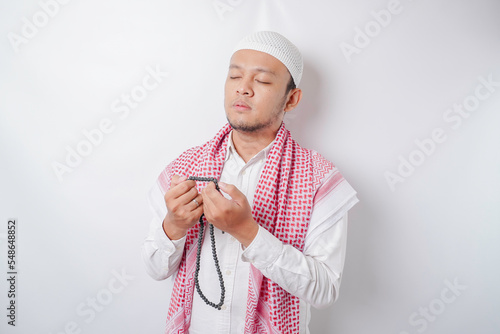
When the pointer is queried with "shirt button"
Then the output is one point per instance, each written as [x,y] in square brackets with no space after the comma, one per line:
[233,239]
[228,272]
[223,307]
[244,172]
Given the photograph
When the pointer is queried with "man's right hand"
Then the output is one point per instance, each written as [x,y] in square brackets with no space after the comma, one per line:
[183,211]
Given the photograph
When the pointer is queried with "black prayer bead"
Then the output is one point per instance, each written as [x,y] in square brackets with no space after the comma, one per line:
[214,253]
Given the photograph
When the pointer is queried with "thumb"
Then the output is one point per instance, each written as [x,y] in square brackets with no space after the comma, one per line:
[232,191]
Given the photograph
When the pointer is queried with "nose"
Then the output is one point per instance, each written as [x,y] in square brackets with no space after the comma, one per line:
[244,88]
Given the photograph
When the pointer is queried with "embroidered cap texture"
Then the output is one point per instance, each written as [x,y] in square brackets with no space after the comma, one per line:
[277,46]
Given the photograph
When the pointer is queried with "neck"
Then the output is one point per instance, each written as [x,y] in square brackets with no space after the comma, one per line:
[248,144]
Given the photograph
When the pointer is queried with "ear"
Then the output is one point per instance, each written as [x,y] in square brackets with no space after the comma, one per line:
[294,97]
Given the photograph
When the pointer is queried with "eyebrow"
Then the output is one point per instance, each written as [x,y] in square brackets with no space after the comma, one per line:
[256,69]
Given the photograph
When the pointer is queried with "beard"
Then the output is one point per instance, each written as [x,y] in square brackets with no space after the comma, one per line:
[250,127]
[243,126]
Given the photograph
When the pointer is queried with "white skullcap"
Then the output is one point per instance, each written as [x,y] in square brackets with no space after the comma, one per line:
[277,46]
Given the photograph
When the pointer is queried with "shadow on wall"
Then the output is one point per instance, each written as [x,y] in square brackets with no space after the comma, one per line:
[298,120]
[359,286]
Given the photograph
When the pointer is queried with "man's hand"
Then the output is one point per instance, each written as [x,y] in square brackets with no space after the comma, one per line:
[183,212]
[233,216]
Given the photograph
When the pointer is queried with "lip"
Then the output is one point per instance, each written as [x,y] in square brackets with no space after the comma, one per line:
[241,106]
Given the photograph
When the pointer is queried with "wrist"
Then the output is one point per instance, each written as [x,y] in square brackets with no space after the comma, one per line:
[247,233]
[172,231]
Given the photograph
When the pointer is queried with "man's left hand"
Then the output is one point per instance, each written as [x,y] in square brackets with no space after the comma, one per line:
[233,216]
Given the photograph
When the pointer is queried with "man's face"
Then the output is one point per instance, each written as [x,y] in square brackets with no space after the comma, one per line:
[255,91]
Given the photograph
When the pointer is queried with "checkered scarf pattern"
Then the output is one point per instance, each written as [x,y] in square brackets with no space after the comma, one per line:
[283,204]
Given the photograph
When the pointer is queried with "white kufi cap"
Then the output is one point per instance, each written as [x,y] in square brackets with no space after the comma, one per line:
[277,46]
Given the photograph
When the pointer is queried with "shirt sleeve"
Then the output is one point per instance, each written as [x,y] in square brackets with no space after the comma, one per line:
[160,255]
[313,275]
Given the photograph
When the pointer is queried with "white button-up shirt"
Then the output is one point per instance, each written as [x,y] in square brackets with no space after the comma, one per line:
[313,275]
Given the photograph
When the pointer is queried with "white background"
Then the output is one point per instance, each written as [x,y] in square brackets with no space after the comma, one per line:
[362,111]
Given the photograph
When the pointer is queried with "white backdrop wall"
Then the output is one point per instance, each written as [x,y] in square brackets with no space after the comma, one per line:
[403,96]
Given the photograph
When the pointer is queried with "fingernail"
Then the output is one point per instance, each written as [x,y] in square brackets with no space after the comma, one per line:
[182,178]
[222,185]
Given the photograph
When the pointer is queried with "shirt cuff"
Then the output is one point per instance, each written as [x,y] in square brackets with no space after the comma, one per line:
[264,250]
[164,242]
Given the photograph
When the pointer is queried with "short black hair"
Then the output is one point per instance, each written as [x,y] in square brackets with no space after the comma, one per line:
[291,85]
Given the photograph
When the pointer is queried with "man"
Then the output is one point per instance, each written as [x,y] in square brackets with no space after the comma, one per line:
[280,218]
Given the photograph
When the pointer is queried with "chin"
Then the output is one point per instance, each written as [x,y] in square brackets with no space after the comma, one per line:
[246,126]
[239,125]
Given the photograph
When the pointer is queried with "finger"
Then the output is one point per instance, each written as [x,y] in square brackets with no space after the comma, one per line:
[182,188]
[207,195]
[197,202]
[197,210]
[188,196]
[177,179]
[197,213]
[232,191]
[212,197]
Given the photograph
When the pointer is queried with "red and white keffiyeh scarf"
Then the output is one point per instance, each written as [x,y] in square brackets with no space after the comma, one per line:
[282,204]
